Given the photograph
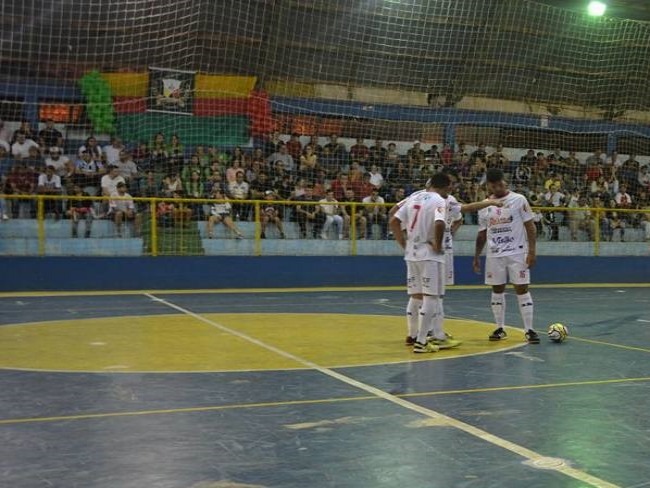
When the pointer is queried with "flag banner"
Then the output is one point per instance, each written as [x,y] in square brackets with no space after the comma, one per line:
[171,91]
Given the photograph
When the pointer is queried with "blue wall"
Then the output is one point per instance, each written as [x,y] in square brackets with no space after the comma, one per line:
[96,273]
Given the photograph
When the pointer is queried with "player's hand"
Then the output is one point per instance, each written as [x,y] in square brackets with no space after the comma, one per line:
[437,248]
[531,259]
[476,265]
[494,203]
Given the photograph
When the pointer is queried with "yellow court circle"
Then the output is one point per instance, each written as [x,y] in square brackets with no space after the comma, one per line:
[182,343]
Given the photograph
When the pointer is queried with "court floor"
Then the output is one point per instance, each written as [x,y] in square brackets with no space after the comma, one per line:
[314,388]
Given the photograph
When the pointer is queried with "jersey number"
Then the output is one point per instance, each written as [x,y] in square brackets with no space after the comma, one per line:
[417,209]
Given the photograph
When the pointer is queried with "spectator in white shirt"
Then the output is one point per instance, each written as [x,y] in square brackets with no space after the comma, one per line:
[61,163]
[127,168]
[122,208]
[20,148]
[376,178]
[49,183]
[330,208]
[239,190]
[281,154]
[113,150]
[623,198]
[111,180]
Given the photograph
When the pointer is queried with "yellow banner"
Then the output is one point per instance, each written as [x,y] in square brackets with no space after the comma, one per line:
[128,84]
[215,86]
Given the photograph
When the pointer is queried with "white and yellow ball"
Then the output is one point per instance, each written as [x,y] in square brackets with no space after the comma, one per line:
[558,332]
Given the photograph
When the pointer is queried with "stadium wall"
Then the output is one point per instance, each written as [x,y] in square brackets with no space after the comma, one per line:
[120,273]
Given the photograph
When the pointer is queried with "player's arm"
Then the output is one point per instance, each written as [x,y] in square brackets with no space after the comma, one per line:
[439,228]
[476,206]
[531,234]
[455,225]
[396,228]
[481,239]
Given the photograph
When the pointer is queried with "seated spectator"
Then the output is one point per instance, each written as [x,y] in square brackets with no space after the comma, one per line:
[175,149]
[49,183]
[596,159]
[415,156]
[142,158]
[34,161]
[433,157]
[644,178]
[192,166]
[364,188]
[159,157]
[5,148]
[93,149]
[294,147]
[378,153]
[61,163]
[110,181]
[579,220]
[271,143]
[601,189]
[376,213]
[20,148]
[447,155]
[593,171]
[194,187]
[359,217]
[174,213]
[171,184]
[88,173]
[359,152]
[330,209]
[309,214]
[237,191]
[480,152]
[128,169]
[26,130]
[50,135]
[215,182]
[392,158]
[112,151]
[498,160]
[260,186]
[282,156]
[623,199]
[233,170]
[315,146]
[529,159]
[542,164]
[221,213]
[149,187]
[283,187]
[271,214]
[80,209]
[121,208]
[340,185]
[308,162]
[376,178]
[20,181]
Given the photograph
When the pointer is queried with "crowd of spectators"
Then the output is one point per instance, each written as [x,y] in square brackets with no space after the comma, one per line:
[329,176]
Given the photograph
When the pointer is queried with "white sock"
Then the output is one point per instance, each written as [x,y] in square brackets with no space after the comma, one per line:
[499,308]
[526,309]
[428,312]
[438,320]
[412,316]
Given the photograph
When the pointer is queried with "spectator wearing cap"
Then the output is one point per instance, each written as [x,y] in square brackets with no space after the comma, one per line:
[272,213]
[49,184]
[50,135]
[121,209]
[376,213]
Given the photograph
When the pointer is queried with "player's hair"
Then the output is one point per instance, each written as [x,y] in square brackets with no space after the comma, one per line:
[494,175]
[439,180]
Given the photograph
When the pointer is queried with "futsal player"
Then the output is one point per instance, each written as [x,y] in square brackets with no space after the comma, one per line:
[424,217]
[454,219]
[511,238]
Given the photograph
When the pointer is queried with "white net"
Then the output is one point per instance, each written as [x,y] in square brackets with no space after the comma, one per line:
[199,91]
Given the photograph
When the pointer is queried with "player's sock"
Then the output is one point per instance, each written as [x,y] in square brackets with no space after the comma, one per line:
[428,312]
[413,315]
[438,320]
[499,308]
[526,310]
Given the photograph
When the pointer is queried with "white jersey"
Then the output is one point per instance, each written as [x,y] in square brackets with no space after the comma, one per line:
[418,215]
[453,215]
[506,234]
[221,208]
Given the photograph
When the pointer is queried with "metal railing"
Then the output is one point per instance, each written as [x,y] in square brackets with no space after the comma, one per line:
[148,209]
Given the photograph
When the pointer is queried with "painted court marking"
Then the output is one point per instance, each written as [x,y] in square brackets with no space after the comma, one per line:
[449,421]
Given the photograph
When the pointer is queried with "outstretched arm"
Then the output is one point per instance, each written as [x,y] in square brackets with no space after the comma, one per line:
[476,206]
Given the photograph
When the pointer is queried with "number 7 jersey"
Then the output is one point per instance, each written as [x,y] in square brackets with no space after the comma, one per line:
[418,215]
[506,234]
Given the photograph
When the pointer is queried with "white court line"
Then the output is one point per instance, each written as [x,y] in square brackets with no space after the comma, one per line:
[524,452]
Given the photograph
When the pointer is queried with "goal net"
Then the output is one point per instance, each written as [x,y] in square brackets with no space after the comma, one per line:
[360,94]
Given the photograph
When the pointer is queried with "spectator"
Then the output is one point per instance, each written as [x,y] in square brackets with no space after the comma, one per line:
[498,160]
[271,143]
[149,186]
[61,163]
[282,156]
[175,148]
[271,214]
[554,198]
[623,199]
[20,148]
[88,173]
[34,161]
[579,220]
[194,187]
[313,143]
[110,181]
[128,169]
[480,152]
[237,191]
[360,218]
[194,165]
[260,186]
[174,213]
[49,184]
[360,152]
[79,209]
[447,155]
[159,156]
[433,157]
[171,184]
[26,130]
[308,162]
[340,185]
[330,209]
[142,158]
[644,178]
[596,159]
[376,213]
[93,149]
[294,147]
[364,188]
[415,156]
[221,213]
[233,170]
[392,158]
[122,209]
[50,136]
[5,147]
[113,150]
[529,159]
[309,214]
[215,181]
[378,153]
[20,181]
[376,178]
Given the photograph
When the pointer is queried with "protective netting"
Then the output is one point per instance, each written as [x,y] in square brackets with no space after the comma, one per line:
[199,91]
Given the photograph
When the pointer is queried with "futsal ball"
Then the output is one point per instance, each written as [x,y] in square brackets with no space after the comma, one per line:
[557,333]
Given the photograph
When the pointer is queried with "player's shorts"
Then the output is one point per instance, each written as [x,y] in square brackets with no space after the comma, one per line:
[449,268]
[425,277]
[504,269]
